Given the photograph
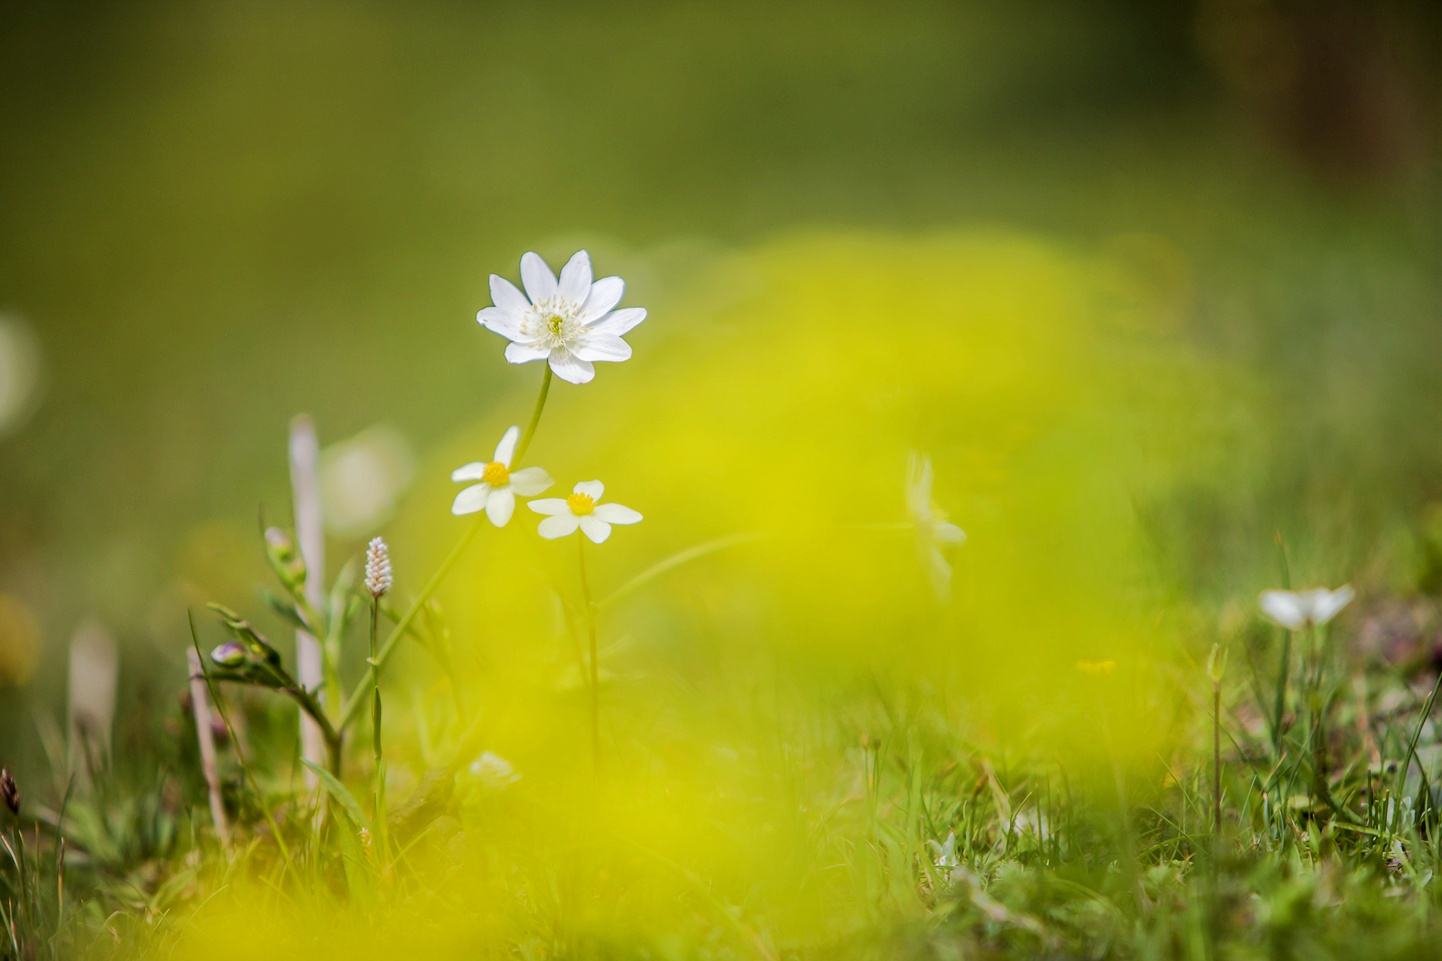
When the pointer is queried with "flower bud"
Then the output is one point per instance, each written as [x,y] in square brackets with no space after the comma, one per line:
[280,550]
[378,567]
[229,654]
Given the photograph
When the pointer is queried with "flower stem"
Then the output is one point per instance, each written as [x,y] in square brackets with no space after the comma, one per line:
[530,432]
[379,817]
[356,701]
[1216,759]
[595,685]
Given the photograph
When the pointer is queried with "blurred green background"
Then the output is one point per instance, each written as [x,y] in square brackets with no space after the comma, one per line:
[213,216]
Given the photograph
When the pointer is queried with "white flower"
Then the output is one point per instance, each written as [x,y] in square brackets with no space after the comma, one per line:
[498,485]
[945,853]
[570,323]
[933,531]
[493,771]
[1295,610]
[582,509]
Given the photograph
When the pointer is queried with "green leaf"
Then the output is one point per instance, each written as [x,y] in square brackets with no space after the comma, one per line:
[340,794]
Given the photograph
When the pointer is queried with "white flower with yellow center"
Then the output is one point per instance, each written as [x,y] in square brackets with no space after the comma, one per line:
[499,485]
[570,322]
[934,533]
[1295,610]
[582,509]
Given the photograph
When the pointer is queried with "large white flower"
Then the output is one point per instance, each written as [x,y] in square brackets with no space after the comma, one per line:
[569,322]
[584,510]
[1295,610]
[934,533]
[499,485]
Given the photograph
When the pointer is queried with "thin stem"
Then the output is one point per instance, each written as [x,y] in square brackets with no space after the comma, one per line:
[357,699]
[379,817]
[356,702]
[678,559]
[594,662]
[525,441]
[235,745]
[1281,697]
[1217,759]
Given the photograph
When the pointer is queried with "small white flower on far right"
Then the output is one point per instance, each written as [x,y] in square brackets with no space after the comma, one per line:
[498,487]
[569,323]
[934,532]
[1295,610]
[583,510]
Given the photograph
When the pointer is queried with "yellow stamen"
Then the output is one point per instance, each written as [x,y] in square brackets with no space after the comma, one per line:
[496,474]
[555,322]
[581,504]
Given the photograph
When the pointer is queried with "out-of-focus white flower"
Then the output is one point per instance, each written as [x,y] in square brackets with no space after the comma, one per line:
[944,852]
[499,485]
[378,567]
[570,323]
[582,509]
[493,771]
[362,479]
[934,533]
[1295,610]
[20,371]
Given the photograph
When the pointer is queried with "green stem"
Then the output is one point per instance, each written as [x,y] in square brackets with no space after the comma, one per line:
[379,817]
[1216,759]
[1281,698]
[239,754]
[678,559]
[356,702]
[357,699]
[525,441]
[590,608]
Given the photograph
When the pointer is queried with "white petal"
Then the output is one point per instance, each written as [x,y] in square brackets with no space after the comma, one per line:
[550,505]
[505,296]
[540,282]
[1284,608]
[918,485]
[500,321]
[470,500]
[946,532]
[557,526]
[595,528]
[575,282]
[500,506]
[592,489]
[507,446]
[570,368]
[605,294]
[617,514]
[618,322]
[530,481]
[603,347]
[518,353]
[938,572]
[1328,604]
[469,472]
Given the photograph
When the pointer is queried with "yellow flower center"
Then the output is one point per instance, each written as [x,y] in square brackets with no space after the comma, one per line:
[555,324]
[496,474]
[581,504]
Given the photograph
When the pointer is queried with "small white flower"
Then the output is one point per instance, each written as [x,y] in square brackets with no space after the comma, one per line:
[569,322]
[945,852]
[493,771]
[498,486]
[1295,610]
[584,510]
[934,532]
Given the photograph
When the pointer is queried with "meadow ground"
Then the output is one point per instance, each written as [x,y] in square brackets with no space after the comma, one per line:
[1031,459]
